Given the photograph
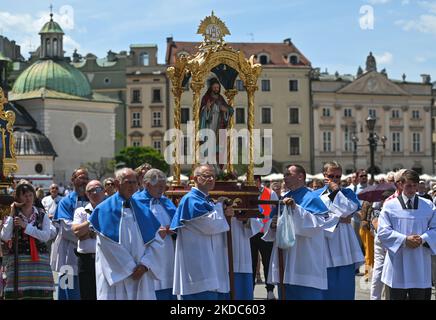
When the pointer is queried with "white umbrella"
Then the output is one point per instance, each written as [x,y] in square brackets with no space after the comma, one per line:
[309,176]
[426,177]
[319,176]
[273,177]
[379,176]
[182,178]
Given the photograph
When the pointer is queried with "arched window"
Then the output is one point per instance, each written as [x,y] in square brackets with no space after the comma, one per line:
[293,59]
[263,59]
[47,47]
[145,60]
[55,47]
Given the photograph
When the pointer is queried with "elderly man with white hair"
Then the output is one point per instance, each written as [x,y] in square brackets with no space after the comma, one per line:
[127,241]
[201,261]
[163,209]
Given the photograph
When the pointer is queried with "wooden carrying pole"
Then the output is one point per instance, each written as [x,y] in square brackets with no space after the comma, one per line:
[230,257]
[16,265]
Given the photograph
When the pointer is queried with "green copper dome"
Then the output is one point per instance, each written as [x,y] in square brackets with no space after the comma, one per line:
[56,75]
[51,27]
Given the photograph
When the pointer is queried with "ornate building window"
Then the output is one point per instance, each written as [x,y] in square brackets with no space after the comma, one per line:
[136,96]
[266,85]
[156,115]
[396,141]
[263,59]
[294,116]
[293,59]
[240,115]
[266,115]
[136,119]
[416,142]
[348,113]
[348,141]
[294,146]
[239,85]
[293,85]
[326,112]
[156,95]
[157,144]
[145,59]
[327,141]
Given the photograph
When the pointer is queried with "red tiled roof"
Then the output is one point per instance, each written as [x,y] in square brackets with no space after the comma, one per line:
[277,52]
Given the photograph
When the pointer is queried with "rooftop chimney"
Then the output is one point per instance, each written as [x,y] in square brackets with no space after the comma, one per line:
[287,41]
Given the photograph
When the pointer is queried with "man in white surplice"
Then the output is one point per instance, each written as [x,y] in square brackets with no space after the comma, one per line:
[164,210]
[343,252]
[127,241]
[407,229]
[305,269]
[201,260]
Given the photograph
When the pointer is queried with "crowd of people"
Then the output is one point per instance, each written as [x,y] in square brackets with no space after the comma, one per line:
[123,239]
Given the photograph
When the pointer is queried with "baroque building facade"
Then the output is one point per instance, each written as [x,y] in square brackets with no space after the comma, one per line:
[402,109]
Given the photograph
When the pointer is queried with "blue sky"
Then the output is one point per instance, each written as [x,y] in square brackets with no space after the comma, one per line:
[335,34]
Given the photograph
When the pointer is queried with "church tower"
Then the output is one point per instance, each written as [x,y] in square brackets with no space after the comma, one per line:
[52,37]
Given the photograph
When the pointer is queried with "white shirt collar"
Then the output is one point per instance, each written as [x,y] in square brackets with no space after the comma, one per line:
[405,198]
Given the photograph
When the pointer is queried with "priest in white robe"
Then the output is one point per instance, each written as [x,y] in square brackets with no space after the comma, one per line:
[305,269]
[127,242]
[407,229]
[343,252]
[201,260]
[163,209]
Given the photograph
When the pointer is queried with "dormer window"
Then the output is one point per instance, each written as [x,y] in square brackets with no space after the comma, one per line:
[293,59]
[263,59]
[145,60]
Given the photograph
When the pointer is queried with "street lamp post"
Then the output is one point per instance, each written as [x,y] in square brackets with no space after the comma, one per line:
[373,141]
[370,123]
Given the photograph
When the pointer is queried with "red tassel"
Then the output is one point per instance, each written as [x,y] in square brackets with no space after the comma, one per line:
[33,249]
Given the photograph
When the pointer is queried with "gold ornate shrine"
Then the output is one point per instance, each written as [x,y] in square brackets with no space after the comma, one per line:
[214,55]
[7,120]
[8,162]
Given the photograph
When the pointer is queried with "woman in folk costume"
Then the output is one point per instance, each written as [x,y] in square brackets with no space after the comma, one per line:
[35,278]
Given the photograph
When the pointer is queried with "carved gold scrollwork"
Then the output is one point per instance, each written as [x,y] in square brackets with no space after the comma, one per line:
[9,162]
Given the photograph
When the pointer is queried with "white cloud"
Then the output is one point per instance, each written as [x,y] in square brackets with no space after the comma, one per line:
[430,6]
[426,23]
[24,28]
[378,1]
[385,58]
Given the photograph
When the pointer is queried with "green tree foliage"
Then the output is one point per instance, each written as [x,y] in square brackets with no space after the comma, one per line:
[133,157]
